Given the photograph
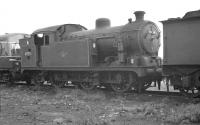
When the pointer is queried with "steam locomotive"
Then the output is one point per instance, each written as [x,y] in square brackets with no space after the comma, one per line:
[122,57]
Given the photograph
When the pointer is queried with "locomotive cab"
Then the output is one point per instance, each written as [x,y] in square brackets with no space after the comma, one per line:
[43,49]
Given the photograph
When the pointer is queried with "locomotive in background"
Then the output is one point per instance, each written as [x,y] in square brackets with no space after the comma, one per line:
[119,57]
[10,59]
[181,61]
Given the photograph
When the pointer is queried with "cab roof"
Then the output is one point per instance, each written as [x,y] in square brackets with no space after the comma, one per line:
[47,29]
[54,28]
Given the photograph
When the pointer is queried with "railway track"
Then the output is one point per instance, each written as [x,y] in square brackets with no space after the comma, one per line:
[110,91]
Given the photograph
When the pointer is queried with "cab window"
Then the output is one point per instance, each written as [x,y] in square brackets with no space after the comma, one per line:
[41,39]
[46,40]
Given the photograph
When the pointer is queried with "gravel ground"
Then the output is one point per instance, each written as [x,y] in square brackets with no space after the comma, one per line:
[28,105]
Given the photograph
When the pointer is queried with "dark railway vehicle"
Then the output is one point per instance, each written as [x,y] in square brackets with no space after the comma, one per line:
[181,62]
[10,60]
[120,57]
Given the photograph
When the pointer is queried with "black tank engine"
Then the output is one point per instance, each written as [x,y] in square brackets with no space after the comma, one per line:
[121,57]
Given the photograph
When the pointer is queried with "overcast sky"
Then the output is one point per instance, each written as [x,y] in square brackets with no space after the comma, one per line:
[25,16]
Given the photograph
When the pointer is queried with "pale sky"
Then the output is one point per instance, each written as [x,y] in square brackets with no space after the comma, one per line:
[25,16]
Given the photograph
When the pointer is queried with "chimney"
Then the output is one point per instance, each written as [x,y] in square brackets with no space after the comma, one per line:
[139,15]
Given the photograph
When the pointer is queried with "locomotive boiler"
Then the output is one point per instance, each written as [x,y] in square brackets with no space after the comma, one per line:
[120,57]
